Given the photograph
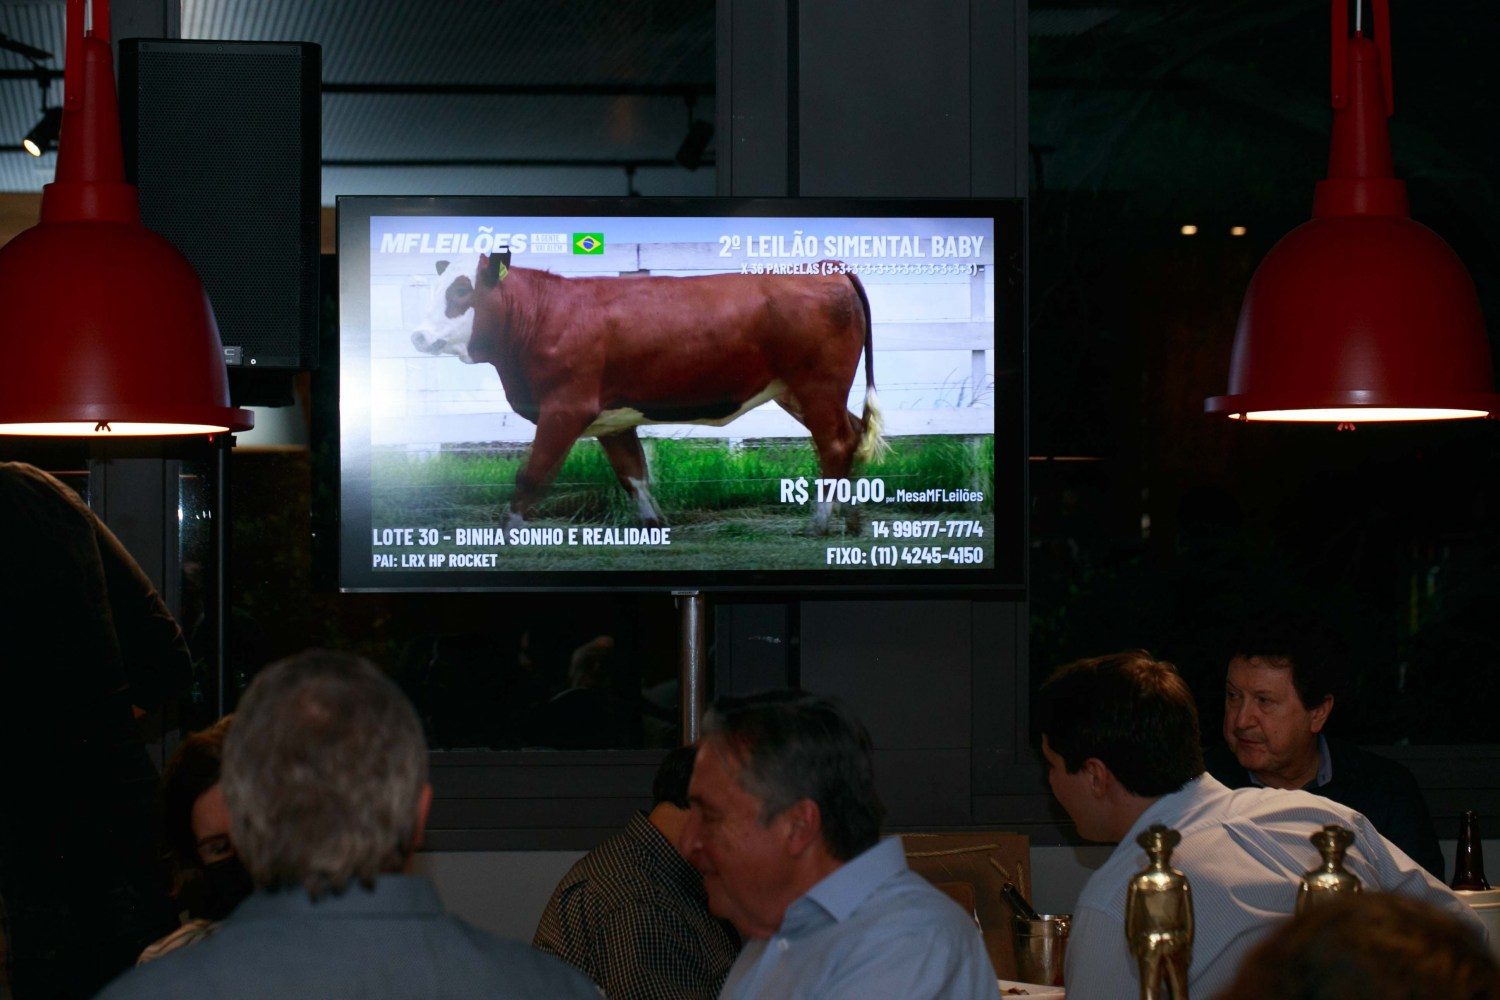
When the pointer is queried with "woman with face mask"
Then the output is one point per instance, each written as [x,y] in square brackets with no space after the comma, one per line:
[208,879]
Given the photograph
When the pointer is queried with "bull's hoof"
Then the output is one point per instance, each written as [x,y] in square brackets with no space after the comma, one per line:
[515,520]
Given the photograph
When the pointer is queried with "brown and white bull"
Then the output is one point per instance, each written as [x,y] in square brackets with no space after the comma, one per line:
[600,356]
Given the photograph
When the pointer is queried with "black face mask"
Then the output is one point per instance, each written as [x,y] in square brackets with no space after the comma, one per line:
[225,883]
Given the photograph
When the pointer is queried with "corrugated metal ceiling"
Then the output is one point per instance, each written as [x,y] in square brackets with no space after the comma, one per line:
[480,41]
[634,46]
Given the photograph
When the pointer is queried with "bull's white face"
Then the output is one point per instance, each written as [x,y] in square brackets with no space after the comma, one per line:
[450,314]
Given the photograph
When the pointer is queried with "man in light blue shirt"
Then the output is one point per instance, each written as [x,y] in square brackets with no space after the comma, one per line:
[784,824]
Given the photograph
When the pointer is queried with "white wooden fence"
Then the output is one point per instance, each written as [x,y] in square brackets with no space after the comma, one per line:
[933,337]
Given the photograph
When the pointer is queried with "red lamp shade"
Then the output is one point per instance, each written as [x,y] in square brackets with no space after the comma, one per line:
[1360,314]
[104,326]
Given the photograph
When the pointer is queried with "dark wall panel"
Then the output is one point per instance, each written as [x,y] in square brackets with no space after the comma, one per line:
[536,814]
[534,776]
[902,666]
[884,98]
[999,693]
[998,158]
[924,789]
[752,98]
[753,647]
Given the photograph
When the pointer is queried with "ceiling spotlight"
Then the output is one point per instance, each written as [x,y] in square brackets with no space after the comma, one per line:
[1189,230]
[1236,230]
[43,135]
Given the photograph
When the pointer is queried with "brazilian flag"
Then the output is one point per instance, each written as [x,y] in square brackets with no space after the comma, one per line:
[588,243]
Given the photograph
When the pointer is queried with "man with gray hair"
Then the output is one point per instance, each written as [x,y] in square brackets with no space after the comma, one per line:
[325,777]
[784,824]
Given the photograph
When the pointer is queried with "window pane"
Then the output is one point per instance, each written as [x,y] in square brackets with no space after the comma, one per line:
[557,671]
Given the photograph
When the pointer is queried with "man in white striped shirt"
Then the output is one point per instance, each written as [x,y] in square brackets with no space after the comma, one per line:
[1120,736]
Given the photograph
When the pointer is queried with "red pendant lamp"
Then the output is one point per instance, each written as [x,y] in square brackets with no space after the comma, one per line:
[104,327]
[1360,314]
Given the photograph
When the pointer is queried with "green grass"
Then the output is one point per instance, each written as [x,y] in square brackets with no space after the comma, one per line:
[691,479]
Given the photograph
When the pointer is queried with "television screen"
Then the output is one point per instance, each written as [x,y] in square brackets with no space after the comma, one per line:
[679,393]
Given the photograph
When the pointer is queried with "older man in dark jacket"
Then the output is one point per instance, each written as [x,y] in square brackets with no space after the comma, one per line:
[1278,695]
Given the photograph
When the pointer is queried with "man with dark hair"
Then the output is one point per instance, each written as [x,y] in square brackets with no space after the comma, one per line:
[632,913]
[1120,737]
[1278,694]
[785,827]
[325,777]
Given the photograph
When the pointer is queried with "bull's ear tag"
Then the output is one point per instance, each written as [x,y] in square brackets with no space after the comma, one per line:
[494,268]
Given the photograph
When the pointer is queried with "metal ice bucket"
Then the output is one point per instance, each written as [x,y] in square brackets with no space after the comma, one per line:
[1040,946]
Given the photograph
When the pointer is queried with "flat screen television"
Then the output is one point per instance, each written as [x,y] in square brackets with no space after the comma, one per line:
[712,394]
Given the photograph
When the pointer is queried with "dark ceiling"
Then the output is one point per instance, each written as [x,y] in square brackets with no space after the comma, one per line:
[1220,109]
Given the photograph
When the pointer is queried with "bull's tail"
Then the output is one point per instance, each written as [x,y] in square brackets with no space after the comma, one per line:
[872,444]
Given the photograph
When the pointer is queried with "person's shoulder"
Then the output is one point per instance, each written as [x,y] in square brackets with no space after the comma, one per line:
[533,972]
[1262,806]
[191,971]
[912,902]
[145,982]
[1352,761]
[290,958]
[1220,762]
[35,493]
[618,856]
[906,924]
[28,476]
[612,875]
[1104,890]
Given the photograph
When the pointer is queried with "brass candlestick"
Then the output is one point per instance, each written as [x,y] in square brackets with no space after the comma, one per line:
[1159,919]
[1329,880]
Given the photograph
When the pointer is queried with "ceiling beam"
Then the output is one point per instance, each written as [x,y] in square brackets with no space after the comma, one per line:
[527,89]
[626,163]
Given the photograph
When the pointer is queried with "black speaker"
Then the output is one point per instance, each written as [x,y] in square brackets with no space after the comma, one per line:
[223,141]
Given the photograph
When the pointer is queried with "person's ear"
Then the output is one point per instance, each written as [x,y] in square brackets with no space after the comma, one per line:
[424,806]
[804,826]
[1321,713]
[1101,778]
